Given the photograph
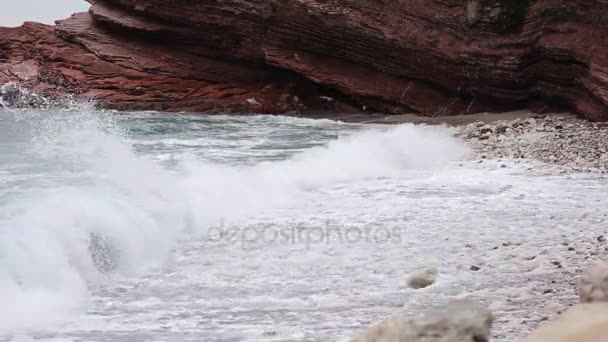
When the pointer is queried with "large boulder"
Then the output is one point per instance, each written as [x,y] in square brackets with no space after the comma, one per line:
[587,322]
[582,323]
[460,322]
[594,283]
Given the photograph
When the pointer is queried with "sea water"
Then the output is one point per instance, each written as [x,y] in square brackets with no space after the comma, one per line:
[151,226]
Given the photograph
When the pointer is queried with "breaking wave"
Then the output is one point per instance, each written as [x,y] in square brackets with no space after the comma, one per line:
[79,204]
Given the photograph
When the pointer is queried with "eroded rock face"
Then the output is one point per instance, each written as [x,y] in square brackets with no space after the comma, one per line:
[460,321]
[435,57]
[78,58]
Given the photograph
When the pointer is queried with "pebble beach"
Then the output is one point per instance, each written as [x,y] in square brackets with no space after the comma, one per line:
[564,142]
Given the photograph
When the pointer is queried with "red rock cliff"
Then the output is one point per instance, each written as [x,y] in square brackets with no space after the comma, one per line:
[434,57]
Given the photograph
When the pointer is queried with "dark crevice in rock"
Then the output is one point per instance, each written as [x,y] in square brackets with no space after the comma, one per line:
[512,16]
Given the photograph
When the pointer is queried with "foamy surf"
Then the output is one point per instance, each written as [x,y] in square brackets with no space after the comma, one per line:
[155,226]
[83,178]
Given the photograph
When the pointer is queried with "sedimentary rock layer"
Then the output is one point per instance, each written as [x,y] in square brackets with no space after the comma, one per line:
[434,57]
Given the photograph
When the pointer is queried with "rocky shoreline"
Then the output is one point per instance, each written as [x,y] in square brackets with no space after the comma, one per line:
[466,320]
[563,142]
[556,143]
[547,308]
[544,143]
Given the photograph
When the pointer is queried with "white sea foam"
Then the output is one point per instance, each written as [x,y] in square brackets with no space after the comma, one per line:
[133,195]
[82,178]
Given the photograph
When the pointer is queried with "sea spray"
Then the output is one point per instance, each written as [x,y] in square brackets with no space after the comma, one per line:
[82,180]
[88,200]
